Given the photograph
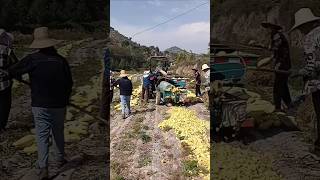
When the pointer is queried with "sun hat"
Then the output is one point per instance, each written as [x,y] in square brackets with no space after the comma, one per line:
[205,66]
[195,67]
[271,23]
[42,39]
[303,16]
[123,73]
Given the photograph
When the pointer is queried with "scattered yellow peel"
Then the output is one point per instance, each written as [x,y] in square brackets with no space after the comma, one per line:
[194,132]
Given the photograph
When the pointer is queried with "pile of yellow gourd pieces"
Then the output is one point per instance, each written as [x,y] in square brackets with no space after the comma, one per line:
[65,50]
[254,103]
[194,132]
[235,163]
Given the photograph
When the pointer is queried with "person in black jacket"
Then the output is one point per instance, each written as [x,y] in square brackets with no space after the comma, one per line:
[125,86]
[282,61]
[51,86]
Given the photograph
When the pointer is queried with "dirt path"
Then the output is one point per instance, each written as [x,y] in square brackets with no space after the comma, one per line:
[141,149]
[291,155]
[85,59]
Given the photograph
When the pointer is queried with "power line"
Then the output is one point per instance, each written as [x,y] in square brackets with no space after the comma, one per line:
[171,19]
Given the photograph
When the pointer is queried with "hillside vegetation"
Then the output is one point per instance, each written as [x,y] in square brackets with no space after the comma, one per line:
[24,15]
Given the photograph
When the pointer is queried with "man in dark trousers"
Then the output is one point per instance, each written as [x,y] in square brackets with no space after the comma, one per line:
[7,59]
[281,59]
[146,83]
[197,76]
[125,86]
[309,25]
[51,86]
[112,81]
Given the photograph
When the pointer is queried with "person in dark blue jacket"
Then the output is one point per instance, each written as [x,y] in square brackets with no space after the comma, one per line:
[146,83]
[126,87]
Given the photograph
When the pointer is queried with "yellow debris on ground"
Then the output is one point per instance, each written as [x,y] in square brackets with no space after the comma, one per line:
[31,149]
[255,102]
[86,118]
[87,94]
[68,138]
[235,163]
[79,130]
[76,127]
[191,94]
[65,50]
[24,141]
[192,131]
[260,105]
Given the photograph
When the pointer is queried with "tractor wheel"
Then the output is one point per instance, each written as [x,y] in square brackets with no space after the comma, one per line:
[158,98]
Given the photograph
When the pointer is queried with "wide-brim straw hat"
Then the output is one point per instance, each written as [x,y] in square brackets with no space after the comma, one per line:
[123,73]
[195,67]
[205,66]
[42,40]
[271,23]
[271,26]
[303,16]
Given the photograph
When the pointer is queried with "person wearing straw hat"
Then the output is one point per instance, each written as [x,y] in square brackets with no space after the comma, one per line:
[197,77]
[7,59]
[206,70]
[309,25]
[282,61]
[146,84]
[126,88]
[51,86]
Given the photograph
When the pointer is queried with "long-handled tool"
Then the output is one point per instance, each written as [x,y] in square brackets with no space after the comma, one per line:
[268,70]
[70,104]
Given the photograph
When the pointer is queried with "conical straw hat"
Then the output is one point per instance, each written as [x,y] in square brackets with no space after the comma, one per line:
[271,23]
[303,16]
[41,39]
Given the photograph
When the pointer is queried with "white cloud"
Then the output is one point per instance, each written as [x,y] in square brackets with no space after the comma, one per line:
[175,10]
[154,2]
[192,36]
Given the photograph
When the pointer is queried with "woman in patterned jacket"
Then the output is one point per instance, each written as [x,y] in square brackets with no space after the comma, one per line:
[7,59]
[309,25]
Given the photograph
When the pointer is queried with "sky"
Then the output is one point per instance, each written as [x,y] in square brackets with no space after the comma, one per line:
[190,31]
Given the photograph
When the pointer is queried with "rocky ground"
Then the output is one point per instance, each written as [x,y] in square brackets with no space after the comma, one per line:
[85,58]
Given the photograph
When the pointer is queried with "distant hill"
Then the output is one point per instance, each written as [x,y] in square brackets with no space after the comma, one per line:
[127,54]
[175,50]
